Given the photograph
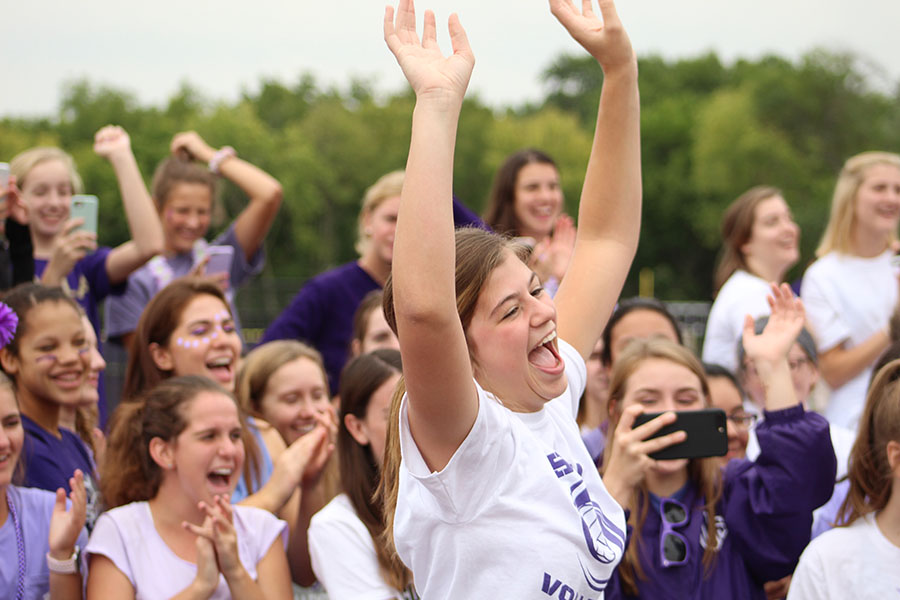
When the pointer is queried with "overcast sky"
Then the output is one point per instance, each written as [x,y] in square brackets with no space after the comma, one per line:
[225,46]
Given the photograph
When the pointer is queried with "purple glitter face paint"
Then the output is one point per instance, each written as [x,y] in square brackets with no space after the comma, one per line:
[46,358]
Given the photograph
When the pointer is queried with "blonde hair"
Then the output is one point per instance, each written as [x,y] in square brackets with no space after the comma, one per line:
[704,473]
[262,362]
[838,233]
[387,186]
[22,164]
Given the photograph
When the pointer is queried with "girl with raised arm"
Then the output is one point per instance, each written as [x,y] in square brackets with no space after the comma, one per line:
[485,465]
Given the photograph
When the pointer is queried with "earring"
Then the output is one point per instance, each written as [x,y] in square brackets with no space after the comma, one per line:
[368,231]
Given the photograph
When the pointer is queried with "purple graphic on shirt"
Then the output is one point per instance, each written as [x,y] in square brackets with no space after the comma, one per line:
[605,541]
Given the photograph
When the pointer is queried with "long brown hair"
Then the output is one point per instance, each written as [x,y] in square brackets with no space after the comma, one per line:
[159,319]
[737,227]
[128,473]
[478,253]
[870,474]
[704,473]
[500,213]
[359,471]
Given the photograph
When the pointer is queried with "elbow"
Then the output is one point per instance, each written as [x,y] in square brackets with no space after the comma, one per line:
[274,195]
[150,248]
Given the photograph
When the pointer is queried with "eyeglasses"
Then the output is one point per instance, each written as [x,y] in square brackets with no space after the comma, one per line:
[673,547]
[743,421]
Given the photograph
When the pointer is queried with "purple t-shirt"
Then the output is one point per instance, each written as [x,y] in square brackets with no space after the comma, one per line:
[50,461]
[124,310]
[34,507]
[321,314]
[763,519]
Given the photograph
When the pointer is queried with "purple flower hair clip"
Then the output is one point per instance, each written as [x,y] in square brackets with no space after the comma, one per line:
[9,320]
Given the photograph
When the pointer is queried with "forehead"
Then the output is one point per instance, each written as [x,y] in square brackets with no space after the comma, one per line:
[301,371]
[723,394]
[204,307]
[643,323]
[535,171]
[388,206]
[53,316]
[510,276]
[662,375]
[881,172]
[52,171]
[773,205]
[796,352]
[7,402]
[211,409]
[377,321]
[186,194]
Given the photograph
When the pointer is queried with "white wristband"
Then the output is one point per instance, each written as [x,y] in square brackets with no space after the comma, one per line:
[68,566]
[220,155]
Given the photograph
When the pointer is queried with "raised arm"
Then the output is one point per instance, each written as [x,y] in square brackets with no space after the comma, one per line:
[442,399]
[609,215]
[252,225]
[113,144]
[768,351]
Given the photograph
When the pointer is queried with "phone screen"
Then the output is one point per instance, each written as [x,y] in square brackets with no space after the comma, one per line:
[220,258]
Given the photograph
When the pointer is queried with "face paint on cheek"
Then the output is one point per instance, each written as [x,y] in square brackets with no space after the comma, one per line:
[214,335]
[46,358]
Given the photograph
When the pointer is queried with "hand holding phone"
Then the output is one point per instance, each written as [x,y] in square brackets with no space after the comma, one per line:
[219,259]
[705,429]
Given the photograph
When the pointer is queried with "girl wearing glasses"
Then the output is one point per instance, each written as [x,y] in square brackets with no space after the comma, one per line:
[701,531]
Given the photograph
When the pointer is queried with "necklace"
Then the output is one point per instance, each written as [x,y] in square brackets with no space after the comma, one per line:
[20,546]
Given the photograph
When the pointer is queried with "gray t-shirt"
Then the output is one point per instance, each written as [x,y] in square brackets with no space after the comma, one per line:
[123,311]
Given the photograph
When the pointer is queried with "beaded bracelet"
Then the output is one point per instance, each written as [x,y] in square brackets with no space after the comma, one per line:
[220,155]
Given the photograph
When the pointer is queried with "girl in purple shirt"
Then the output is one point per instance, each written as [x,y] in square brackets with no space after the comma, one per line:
[697,531]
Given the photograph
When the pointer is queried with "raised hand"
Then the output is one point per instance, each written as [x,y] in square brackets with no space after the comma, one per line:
[190,145]
[112,141]
[66,525]
[429,72]
[605,39]
[780,333]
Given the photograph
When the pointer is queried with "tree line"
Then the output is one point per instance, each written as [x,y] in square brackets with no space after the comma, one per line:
[709,132]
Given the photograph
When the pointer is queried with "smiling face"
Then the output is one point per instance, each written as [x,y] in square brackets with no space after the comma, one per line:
[379,226]
[724,395]
[538,199]
[205,342]
[207,457]
[661,385]
[47,193]
[90,393]
[773,237]
[876,210]
[512,338]
[53,358]
[295,393]
[185,215]
[12,435]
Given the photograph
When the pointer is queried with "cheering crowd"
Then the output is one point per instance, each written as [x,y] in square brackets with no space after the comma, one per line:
[458,413]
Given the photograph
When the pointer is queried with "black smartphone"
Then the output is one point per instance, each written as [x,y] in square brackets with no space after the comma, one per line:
[706,434]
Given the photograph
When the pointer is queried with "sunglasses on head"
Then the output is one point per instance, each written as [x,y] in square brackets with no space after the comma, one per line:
[673,547]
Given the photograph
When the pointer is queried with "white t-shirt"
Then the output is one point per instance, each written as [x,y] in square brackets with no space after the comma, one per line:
[518,512]
[743,294]
[848,299]
[343,555]
[126,536]
[848,562]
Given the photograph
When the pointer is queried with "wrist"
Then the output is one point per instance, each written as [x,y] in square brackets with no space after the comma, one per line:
[218,157]
[202,589]
[64,562]
[122,158]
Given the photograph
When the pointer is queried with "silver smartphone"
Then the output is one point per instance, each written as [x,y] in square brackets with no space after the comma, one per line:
[220,258]
[85,206]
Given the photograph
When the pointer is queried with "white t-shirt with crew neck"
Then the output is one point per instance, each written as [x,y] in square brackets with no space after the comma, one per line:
[518,512]
[743,294]
[856,562]
[848,299]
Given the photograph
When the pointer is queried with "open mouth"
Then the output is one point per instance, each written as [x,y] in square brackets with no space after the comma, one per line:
[545,355]
[69,379]
[221,479]
[221,368]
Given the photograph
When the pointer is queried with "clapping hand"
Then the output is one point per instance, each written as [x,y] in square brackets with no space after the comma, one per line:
[66,525]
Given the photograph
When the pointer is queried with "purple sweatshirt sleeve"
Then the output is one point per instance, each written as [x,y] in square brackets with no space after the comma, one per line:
[463,217]
[768,503]
[301,319]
